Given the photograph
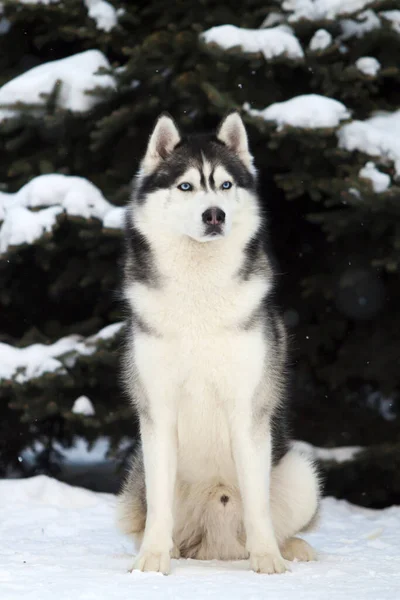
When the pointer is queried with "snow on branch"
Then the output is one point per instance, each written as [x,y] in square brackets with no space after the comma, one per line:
[377,136]
[379,181]
[393,16]
[320,40]
[338,455]
[319,10]
[45,2]
[53,195]
[103,13]
[309,111]
[24,364]
[83,406]
[273,42]
[368,65]
[77,74]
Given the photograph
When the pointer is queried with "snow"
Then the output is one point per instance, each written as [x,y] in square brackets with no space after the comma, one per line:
[83,406]
[379,181]
[22,226]
[368,65]
[276,41]
[273,18]
[339,455]
[77,74]
[320,40]
[377,136]
[76,196]
[45,2]
[5,25]
[394,17]
[81,452]
[114,218]
[316,10]
[24,364]
[60,542]
[103,13]
[364,22]
[308,111]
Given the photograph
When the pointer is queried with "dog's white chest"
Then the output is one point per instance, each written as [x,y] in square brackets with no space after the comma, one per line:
[202,350]
[204,445]
[208,377]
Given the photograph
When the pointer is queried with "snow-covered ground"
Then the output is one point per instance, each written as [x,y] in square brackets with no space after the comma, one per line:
[60,542]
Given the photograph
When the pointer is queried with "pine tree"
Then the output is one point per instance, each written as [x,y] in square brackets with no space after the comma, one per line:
[332,203]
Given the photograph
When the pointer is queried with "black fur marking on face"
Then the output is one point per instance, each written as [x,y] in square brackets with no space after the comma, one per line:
[212,181]
[203,183]
[191,152]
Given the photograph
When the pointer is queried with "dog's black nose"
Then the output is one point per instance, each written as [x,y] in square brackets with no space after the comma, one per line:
[213,216]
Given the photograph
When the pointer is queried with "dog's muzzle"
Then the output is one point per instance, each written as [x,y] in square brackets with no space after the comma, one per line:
[214,219]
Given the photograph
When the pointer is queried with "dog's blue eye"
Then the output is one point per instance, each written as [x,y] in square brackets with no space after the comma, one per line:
[226,185]
[185,187]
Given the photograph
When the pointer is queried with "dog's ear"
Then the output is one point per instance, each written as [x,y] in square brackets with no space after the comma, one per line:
[162,141]
[232,133]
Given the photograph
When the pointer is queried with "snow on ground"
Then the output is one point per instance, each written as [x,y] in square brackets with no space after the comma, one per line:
[316,10]
[368,65]
[23,364]
[393,16]
[103,13]
[320,40]
[379,181]
[308,111]
[77,74]
[60,542]
[377,136]
[276,41]
[78,197]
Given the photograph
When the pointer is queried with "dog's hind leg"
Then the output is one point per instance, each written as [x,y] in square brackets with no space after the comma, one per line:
[294,501]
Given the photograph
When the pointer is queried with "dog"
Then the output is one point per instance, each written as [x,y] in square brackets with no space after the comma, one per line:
[205,365]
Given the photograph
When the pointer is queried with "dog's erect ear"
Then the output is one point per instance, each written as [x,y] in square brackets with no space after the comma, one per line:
[232,133]
[162,141]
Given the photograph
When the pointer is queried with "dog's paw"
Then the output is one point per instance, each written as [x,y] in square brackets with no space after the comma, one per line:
[298,549]
[160,562]
[267,563]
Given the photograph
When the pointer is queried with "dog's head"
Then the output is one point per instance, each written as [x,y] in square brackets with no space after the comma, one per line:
[199,186]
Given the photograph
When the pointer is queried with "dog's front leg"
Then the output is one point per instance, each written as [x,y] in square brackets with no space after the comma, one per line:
[160,458]
[252,454]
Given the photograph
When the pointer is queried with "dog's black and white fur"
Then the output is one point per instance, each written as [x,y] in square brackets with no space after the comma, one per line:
[214,476]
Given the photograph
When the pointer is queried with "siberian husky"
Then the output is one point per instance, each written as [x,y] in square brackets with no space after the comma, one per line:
[214,476]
